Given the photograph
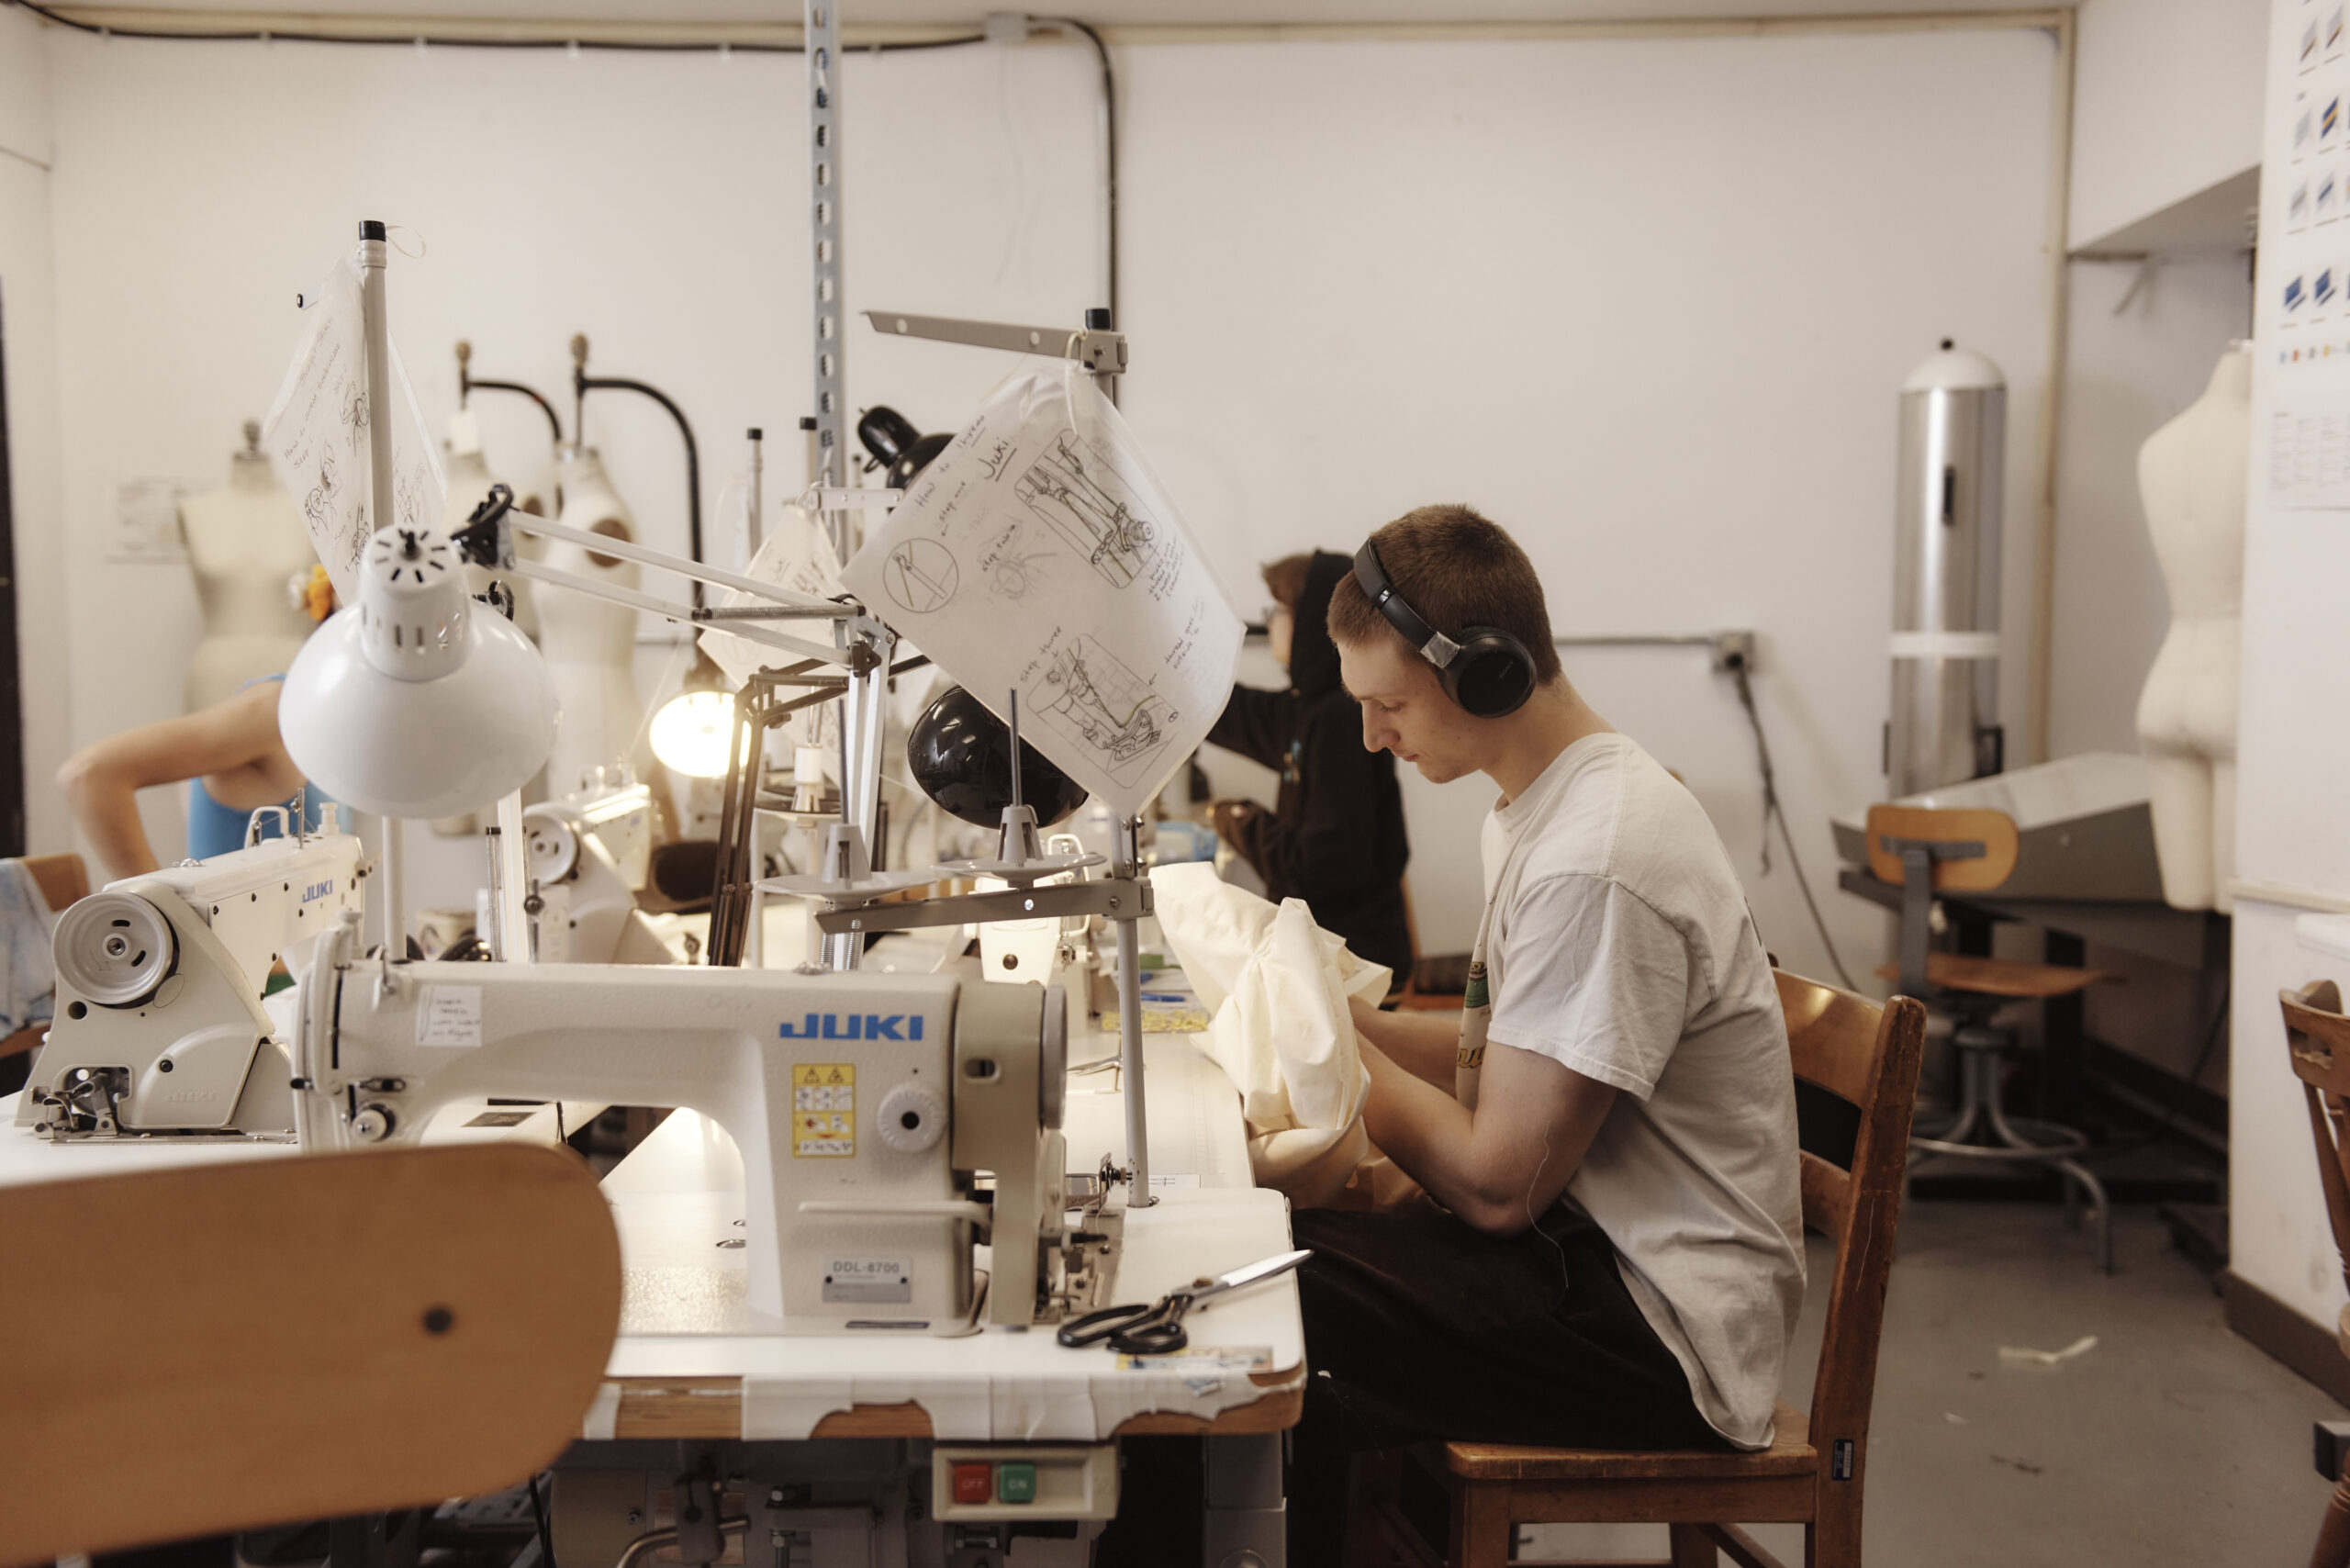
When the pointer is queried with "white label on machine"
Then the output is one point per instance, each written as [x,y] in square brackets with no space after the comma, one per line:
[448,1015]
[876,1279]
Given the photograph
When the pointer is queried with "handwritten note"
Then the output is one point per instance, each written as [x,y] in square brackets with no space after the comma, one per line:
[317,433]
[1040,553]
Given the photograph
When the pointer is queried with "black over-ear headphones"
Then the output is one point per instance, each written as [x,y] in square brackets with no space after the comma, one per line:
[1488,672]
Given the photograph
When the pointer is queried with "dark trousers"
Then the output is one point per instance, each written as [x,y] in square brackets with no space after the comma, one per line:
[1419,1328]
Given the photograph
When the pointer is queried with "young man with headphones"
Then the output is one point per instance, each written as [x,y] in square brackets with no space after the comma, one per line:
[1612,1257]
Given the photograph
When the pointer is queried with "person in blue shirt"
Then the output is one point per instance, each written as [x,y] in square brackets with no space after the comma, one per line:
[229,755]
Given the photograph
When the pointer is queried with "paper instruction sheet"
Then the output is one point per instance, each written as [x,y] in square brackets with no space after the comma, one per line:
[1040,553]
[317,433]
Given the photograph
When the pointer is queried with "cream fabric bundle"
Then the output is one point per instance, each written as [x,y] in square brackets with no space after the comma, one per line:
[1277,986]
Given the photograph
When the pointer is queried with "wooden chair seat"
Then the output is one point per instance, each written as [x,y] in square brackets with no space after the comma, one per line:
[1790,1454]
[2003,977]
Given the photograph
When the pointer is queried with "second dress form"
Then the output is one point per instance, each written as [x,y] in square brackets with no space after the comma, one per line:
[245,542]
[2191,476]
[590,645]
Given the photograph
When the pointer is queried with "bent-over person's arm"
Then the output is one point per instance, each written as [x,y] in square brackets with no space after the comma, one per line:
[233,745]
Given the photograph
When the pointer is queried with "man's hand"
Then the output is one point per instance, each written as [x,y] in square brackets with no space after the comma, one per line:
[1226,817]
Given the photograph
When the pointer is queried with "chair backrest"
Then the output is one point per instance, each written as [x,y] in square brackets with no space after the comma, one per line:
[2317,1037]
[1867,1056]
[62,880]
[222,1346]
[1994,831]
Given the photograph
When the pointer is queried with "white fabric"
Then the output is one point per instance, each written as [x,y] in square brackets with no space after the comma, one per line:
[1619,944]
[1277,985]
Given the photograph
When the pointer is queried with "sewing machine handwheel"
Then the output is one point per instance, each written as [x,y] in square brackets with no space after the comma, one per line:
[115,949]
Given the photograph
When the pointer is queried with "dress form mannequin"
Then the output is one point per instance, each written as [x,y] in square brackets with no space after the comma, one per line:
[2191,476]
[590,645]
[244,541]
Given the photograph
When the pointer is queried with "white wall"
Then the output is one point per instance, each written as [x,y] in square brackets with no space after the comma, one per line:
[1647,303]
[26,298]
[2166,102]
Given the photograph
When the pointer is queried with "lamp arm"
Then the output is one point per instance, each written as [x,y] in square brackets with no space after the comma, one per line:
[481,543]
[582,384]
[670,609]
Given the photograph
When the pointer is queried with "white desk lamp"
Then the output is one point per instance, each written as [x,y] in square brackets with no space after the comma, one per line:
[419,701]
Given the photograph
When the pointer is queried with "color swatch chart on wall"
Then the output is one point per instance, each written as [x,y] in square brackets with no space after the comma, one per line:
[2301,320]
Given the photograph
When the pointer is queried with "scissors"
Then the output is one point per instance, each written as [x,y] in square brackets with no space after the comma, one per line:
[1157,1329]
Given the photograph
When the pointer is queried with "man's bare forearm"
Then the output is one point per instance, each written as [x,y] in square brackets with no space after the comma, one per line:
[1422,1044]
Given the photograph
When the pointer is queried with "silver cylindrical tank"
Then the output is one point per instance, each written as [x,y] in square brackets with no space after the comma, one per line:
[1945,725]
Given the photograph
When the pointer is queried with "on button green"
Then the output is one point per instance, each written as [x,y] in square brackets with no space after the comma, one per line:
[1015,1483]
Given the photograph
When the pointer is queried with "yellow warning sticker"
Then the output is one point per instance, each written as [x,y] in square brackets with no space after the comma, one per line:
[823,1110]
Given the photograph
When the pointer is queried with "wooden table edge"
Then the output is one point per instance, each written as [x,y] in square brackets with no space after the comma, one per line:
[711,1408]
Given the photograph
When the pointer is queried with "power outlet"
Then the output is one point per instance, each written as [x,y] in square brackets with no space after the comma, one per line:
[1733,651]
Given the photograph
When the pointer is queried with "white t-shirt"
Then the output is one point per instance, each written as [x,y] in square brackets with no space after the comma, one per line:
[1618,942]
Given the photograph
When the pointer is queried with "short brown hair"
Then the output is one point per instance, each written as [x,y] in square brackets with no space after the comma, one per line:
[1285,579]
[1458,570]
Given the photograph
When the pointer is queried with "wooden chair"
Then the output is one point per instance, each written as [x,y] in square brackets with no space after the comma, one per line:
[1415,995]
[62,880]
[1813,1470]
[2317,1037]
[1927,851]
[217,1347]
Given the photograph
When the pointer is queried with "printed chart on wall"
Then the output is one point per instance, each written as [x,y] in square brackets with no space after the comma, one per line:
[317,433]
[1040,553]
[2301,314]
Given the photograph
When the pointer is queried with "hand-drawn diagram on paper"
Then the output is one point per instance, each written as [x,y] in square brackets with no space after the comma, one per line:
[1039,553]
[1089,695]
[922,576]
[317,433]
[1076,488]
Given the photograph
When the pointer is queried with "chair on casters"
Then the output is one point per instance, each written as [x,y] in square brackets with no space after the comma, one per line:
[221,1346]
[2317,1037]
[1925,851]
[1813,1471]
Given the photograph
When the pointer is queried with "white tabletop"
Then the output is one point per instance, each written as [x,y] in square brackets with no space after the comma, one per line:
[682,1368]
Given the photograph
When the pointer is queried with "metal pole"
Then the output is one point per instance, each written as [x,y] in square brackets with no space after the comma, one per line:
[751,539]
[1127,862]
[823,40]
[511,847]
[373,256]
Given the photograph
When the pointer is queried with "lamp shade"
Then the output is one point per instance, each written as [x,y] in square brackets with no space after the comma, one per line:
[418,701]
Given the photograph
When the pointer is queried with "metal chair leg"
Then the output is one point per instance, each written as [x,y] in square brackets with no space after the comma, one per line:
[2101,1207]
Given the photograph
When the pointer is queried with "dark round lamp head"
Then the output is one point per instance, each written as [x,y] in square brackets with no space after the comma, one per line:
[961,755]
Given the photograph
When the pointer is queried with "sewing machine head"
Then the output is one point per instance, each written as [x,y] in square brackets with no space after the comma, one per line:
[865,1107]
[586,912]
[159,1026]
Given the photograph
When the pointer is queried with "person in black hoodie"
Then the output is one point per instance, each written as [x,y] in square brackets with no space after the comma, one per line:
[1335,835]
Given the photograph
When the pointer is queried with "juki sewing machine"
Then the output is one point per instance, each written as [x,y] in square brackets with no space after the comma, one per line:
[160,1027]
[585,911]
[865,1107]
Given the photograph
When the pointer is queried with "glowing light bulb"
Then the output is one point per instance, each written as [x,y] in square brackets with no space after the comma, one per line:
[691,731]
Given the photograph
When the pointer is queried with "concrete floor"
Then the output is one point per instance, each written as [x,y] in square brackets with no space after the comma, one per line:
[2173,1441]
